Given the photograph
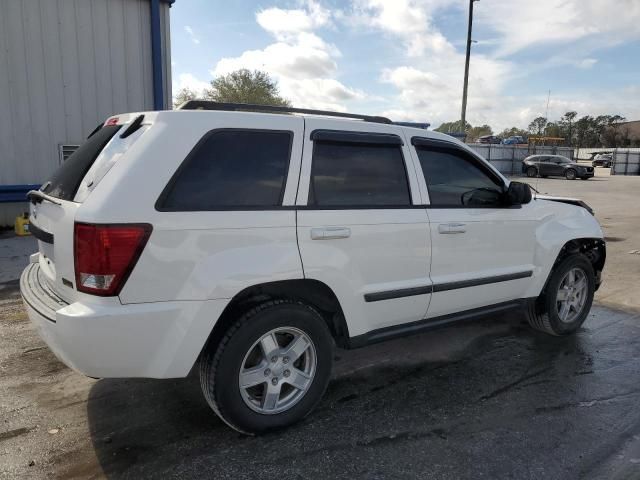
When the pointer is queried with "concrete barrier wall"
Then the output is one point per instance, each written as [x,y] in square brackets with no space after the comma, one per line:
[508,158]
[626,162]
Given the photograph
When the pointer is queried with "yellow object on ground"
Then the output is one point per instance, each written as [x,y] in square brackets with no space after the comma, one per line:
[22,225]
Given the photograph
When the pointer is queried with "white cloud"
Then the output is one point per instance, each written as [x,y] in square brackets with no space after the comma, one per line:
[425,78]
[429,80]
[429,84]
[545,22]
[304,56]
[408,19]
[190,81]
[586,63]
[192,34]
[303,63]
[283,23]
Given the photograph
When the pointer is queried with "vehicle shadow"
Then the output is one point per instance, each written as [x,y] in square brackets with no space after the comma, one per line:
[429,386]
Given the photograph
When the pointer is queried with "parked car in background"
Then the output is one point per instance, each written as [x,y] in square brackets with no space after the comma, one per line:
[602,160]
[514,140]
[491,139]
[250,244]
[555,166]
[593,155]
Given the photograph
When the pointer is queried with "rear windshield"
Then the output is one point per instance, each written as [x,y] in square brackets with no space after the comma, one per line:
[67,178]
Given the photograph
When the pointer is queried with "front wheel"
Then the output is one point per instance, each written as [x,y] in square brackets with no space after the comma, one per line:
[570,174]
[565,302]
[532,172]
[270,369]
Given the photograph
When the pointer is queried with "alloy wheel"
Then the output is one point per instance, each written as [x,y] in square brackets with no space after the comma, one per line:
[572,295]
[277,370]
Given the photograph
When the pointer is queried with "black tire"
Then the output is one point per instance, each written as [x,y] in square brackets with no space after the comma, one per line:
[532,172]
[570,174]
[542,312]
[220,365]
[544,176]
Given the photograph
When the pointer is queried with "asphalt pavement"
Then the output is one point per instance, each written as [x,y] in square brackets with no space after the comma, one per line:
[489,399]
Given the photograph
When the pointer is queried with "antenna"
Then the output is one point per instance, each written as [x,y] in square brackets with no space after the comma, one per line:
[546,117]
[546,113]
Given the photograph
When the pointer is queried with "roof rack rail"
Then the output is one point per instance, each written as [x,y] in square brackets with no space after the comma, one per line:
[422,125]
[248,107]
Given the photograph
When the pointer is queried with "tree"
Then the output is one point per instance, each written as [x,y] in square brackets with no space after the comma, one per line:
[552,129]
[614,134]
[513,132]
[566,125]
[246,86]
[476,132]
[453,127]
[184,95]
[537,125]
[240,86]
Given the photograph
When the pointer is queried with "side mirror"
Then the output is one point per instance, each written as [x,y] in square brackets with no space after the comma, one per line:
[518,193]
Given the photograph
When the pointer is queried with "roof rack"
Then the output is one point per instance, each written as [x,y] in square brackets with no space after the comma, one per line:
[422,125]
[248,107]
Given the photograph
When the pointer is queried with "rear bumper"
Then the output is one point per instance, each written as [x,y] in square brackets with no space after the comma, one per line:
[108,339]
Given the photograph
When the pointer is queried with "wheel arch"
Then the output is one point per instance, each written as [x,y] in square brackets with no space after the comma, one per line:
[312,292]
[591,247]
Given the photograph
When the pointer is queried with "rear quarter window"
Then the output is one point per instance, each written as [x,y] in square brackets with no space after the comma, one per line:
[65,181]
[231,169]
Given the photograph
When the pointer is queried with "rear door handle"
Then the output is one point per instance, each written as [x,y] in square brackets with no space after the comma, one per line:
[329,233]
[450,228]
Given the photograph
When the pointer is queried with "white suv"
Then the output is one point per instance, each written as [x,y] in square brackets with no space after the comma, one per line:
[252,242]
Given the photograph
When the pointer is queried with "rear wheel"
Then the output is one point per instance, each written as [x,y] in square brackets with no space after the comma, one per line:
[270,369]
[565,302]
[532,172]
[570,174]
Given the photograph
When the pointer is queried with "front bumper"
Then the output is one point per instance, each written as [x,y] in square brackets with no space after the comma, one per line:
[108,339]
[586,174]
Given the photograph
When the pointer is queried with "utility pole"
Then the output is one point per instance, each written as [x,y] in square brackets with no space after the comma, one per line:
[463,116]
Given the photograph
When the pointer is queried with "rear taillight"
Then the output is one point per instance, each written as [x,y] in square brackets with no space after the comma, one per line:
[106,254]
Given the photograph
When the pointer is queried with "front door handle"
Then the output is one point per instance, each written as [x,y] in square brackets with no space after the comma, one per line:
[329,233]
[450,228]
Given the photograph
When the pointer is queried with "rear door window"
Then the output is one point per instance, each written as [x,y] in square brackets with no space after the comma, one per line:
[231,169]
[65,181]
[358,175]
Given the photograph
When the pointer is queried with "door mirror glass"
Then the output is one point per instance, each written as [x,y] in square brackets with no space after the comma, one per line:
[518,193]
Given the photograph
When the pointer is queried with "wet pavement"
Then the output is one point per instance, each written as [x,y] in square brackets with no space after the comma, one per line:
[489,399]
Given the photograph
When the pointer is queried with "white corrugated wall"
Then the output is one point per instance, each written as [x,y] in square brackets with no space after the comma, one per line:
[65,66]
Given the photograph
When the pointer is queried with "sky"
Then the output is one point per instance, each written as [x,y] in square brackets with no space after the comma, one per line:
[405,58]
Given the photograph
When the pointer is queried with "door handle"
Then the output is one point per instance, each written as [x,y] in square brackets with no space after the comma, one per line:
[450,228]
[329,233]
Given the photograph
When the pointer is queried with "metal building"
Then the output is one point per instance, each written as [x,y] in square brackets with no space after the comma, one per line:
[65,66]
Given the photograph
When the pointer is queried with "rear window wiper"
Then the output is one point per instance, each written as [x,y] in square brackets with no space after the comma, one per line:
[36,196]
